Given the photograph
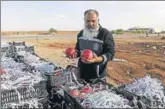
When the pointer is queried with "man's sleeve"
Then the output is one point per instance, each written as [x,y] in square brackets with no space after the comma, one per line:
[77,44]
[109,48]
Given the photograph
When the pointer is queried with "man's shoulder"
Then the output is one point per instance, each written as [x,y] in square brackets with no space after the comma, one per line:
[105,31]
[80,33]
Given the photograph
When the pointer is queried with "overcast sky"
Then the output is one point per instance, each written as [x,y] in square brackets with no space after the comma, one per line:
[68,15]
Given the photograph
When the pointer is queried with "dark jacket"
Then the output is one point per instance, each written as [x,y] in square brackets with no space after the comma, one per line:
[102,45]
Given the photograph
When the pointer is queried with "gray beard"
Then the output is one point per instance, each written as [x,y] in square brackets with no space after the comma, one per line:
[90,33]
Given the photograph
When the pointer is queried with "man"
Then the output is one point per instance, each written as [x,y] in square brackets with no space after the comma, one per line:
[100,41]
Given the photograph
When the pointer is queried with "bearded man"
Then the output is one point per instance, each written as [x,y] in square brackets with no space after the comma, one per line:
[100,41]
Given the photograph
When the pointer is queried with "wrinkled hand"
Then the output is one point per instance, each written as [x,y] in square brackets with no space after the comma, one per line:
[90,61]
[73,56]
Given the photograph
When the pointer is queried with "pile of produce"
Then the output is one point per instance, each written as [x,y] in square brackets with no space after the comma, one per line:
[150,88]
[19,83]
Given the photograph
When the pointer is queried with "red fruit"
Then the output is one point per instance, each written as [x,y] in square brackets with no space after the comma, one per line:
[86,90]
[70,51]
[87,54]
[2,71]
[74,92]
[58,73]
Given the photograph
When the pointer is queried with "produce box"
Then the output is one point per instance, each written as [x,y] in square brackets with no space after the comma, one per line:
[42,103]
[24,93]
[145,90]
[131,100]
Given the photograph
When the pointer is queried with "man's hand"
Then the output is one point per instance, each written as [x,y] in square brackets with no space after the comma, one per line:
[96,59]
[73,56]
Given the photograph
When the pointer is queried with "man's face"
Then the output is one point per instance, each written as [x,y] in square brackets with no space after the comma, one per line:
[91,20]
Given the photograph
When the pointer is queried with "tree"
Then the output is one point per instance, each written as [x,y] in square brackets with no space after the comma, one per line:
[119,31]
[138,31]
[52,30]
[113,32]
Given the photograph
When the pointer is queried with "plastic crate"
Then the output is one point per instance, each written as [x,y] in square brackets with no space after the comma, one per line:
[29,49]
[4,49]
[125,94]
[146,101]
[54,79]
[72,100]
[10,52]
[8,96]
[25,48]
[17,43]
[58,101]
[43,105]
[74,69]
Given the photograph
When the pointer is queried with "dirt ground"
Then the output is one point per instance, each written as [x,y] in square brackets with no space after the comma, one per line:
[143,56]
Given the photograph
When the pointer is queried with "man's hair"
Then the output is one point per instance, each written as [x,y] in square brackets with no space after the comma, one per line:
[91,10]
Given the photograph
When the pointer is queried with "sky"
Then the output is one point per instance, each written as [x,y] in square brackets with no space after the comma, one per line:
[68,15]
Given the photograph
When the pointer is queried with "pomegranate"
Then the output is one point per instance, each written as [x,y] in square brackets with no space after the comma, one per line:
[74,92]
[58,73]
[86,90]
[70,51]
[2,71]
[87,54]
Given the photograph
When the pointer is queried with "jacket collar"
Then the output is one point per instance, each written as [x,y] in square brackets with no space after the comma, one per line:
[100,27]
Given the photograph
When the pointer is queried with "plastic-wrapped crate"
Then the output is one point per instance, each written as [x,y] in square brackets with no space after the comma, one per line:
[56,78]
[39,91]
[129,96]
[61,76]
[29,49]
[4,49]
[18,58]
[42,104]
[19,48]
[18,43]
[146,101]
[72,100]
[11,51]
[74,69]
[58,101]
[24,48]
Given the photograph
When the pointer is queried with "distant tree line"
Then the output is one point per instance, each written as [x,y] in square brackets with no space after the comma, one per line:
[121,31]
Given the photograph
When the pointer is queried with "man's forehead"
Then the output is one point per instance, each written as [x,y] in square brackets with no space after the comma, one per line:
[90,16]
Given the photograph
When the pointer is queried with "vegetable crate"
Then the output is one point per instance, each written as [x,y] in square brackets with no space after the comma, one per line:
[128,96]
[38,91]
[25,48]
[17,43]
[72,100]
[4,49]
[58,101]
[43,104]
[55,78]
[60,76]
[144,102]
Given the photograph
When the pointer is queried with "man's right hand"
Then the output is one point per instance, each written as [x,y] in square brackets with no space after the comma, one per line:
[73,56]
